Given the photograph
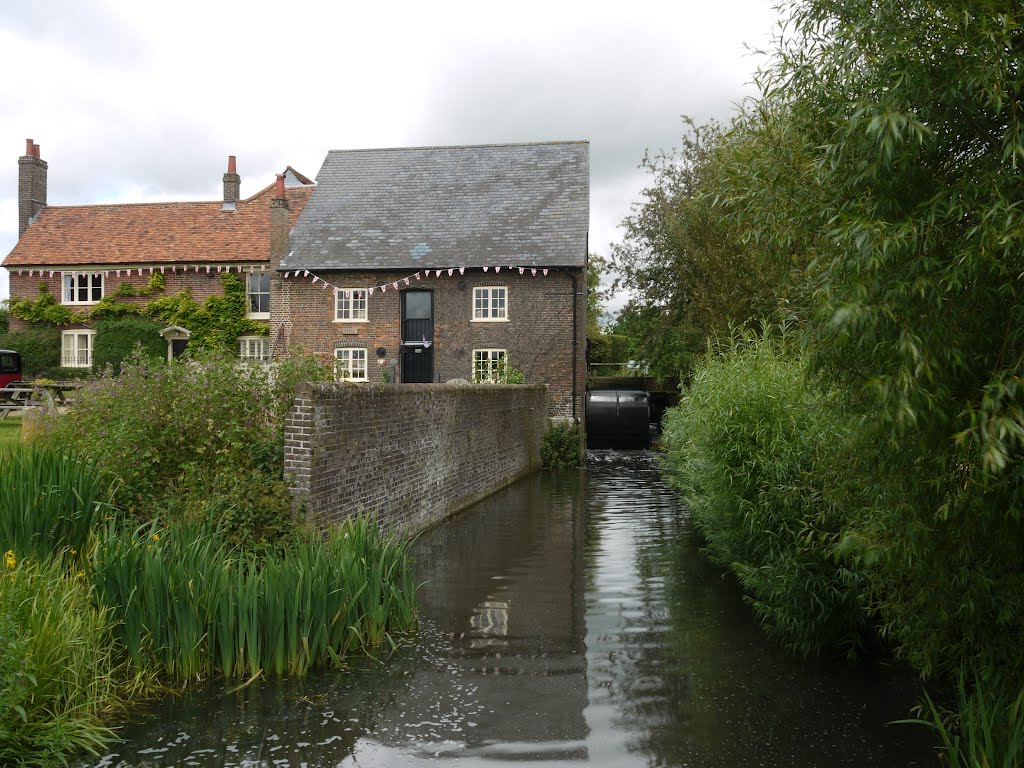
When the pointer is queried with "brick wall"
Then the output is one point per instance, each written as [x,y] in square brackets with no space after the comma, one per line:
[201,284]
[538,336]
[411,454]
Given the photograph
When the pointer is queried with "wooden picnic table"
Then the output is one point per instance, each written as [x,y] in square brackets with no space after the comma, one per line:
[29,394]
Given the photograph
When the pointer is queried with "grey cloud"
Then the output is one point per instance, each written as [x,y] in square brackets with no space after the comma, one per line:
[76,25]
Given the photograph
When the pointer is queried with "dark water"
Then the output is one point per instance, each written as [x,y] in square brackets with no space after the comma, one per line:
[566,620]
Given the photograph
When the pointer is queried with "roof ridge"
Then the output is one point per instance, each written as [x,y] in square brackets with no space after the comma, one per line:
[462,146]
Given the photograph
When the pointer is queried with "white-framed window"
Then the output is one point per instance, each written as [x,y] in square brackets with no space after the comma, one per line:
[350,364]
[255,348]
[257,296]
[489,365]
[350,305]
[76,348]
[82,287]
[490,303]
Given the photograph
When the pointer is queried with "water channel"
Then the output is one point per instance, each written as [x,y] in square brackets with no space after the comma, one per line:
[567,620]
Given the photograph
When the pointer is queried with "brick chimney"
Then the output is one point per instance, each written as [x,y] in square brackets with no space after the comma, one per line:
[31,185]
[232,185]
[278,224]
[280,291]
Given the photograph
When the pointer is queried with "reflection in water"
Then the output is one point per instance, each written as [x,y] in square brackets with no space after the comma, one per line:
[566,620]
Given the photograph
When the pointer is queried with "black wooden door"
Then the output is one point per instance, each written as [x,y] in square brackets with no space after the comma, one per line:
[417,336]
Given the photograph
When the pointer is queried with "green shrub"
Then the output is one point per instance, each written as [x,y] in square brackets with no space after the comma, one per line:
[562,447]
[60,669]
[39,349]
[5,320]
[751,447]
[49,500]
[191,606]
[248,507]
[117,339]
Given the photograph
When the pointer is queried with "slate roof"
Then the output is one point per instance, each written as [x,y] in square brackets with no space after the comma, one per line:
[487,205]
[153,233]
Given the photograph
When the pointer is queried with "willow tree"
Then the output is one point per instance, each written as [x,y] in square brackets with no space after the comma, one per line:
[694,272]
[912,114]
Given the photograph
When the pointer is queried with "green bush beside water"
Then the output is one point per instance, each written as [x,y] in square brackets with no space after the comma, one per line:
[561,447]
[752,449]
[173,554]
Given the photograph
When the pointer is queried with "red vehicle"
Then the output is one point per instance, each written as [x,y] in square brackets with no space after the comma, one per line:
[10,367]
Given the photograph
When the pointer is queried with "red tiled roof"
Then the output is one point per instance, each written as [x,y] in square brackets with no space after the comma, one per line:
[153,233]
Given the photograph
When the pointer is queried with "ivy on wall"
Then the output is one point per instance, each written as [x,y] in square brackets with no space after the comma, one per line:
[44,309]
[218,322]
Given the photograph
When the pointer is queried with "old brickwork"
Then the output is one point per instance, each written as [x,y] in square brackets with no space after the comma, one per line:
[202,285]
[538,335]
[409,454]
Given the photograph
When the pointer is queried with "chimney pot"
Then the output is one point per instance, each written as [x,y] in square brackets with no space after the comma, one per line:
[35,151]
[279,187]
[231,164]
[28,147]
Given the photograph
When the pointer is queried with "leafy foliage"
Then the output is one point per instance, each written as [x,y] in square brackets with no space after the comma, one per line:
[150,424]
[217,323]
[912,119]
[44,309]
[117,339]
[692,273]
[39,349]
[562,447]
[751,448]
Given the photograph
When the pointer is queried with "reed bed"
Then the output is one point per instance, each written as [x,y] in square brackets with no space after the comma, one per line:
[61,670]
[49,500]
[191,606]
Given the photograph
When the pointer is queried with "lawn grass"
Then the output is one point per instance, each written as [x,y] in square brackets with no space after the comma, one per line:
[10,431]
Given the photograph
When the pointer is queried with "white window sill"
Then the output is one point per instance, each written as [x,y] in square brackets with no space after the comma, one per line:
[80,303]
[489,320]
[257,315]
[357,320]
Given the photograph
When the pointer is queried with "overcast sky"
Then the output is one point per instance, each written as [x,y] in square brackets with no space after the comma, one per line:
[135,101]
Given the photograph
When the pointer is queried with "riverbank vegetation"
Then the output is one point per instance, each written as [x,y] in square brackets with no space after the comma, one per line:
[862,472]
[172,554]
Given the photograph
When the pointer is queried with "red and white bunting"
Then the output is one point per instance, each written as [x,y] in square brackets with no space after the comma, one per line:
[450,272]
[417,275]
[372,289]
[462,270]
[395,285]
[533,272]
[485,269]
[383,289]
[407,281]
[545,272]
[497,270]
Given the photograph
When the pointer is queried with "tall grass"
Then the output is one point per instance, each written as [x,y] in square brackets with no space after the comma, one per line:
[192,606]
[49,499]
[61,671]
[987,731]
